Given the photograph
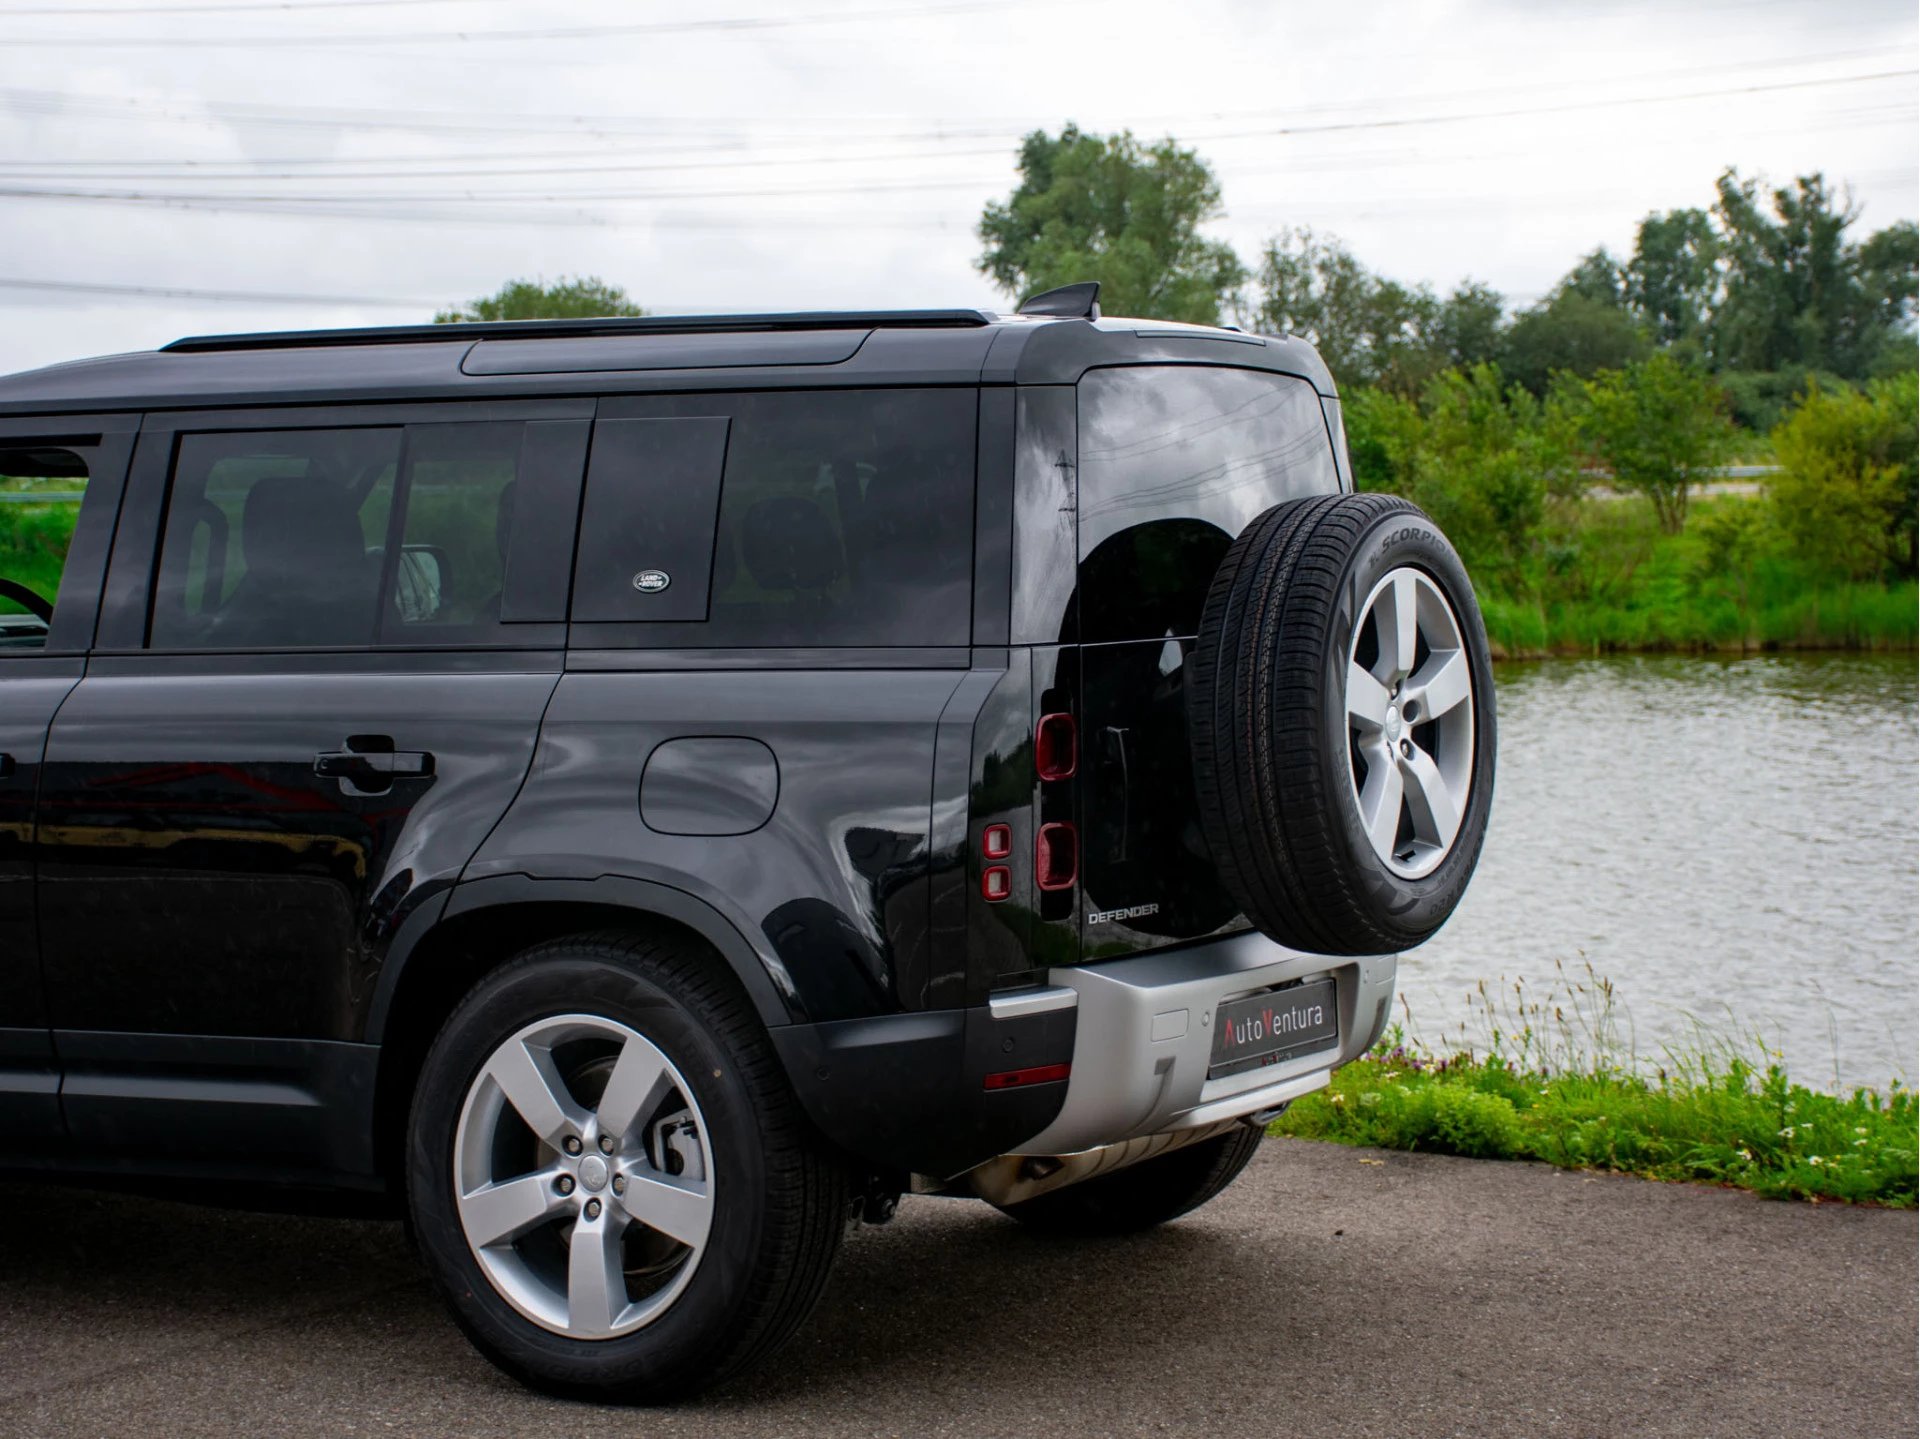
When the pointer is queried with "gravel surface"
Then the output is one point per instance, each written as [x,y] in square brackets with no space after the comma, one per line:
[1330,1292]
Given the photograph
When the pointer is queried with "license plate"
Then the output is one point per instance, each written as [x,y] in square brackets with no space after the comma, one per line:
[1267,1028]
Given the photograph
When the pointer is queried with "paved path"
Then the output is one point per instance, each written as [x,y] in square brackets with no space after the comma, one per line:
[1331,1292]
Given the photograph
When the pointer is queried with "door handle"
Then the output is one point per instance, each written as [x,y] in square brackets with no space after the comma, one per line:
[371,764]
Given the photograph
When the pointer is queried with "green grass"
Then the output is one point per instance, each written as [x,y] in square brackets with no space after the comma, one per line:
[1612,581]
[33,545]
[1554,1090]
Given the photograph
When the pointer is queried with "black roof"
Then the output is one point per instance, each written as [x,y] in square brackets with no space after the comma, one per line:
[653,353]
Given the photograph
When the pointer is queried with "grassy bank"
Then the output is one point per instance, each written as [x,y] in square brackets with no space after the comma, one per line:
[1614,580]
[1553,1089]
[1838,617]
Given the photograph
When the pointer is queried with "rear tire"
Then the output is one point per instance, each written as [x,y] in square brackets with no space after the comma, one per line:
[661,1128]
[1142,1195]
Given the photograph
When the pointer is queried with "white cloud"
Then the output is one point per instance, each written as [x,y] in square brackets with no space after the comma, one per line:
[1582,131]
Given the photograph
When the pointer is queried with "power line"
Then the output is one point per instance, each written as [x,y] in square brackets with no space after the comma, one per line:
[270,297]
[795,129]
[725,24]
[210,200]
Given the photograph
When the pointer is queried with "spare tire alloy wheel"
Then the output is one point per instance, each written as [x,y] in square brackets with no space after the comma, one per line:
[586,1193]
[1410,712]
[1340,704]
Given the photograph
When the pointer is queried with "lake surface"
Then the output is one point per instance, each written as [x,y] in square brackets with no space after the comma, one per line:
[1732,842]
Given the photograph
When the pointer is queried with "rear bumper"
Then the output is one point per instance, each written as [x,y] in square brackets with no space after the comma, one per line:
[1145,1034]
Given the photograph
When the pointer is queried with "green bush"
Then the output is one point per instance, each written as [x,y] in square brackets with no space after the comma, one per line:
[1845,496]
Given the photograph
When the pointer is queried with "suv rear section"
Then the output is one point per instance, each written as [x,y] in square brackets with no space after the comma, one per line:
[1130,487]
[647,790]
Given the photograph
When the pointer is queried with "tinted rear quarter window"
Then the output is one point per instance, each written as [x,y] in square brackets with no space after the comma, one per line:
[1174,462]
[845,519]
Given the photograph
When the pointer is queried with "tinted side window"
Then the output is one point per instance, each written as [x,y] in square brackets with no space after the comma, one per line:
[459,487]
[1174,463]
[339,537]
[845,518]
[272,538]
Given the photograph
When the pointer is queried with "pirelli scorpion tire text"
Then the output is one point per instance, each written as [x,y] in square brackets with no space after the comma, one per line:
[1340,700]
[609,1178]
[1142,1195]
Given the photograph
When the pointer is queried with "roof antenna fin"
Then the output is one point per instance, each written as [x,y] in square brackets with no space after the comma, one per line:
[1070,302]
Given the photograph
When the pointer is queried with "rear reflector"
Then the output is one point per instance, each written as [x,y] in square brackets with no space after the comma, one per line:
[1018,1078]
[996,841]
[1056,857]
[996,882]
[1056,747]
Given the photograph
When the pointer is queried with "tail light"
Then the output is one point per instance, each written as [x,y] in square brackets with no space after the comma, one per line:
[1056,856]
[996,882]
[1056,747]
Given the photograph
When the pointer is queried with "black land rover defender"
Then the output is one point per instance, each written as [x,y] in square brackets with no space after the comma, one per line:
[646,793]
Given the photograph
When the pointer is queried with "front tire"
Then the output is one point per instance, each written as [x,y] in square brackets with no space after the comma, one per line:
[610,1179]
[1142,1195]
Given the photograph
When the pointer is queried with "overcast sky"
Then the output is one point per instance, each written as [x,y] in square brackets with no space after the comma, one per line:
[338,156]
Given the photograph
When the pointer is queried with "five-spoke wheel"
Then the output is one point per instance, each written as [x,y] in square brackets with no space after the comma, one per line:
[610,1178]
[585,1176]
[1410,721]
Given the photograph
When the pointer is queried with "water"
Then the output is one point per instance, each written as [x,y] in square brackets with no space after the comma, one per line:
[1731,842]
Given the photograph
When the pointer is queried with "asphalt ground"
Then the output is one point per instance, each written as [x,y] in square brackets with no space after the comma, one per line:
[1330,1292]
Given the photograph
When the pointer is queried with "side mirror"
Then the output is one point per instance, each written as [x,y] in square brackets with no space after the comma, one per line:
[420,583]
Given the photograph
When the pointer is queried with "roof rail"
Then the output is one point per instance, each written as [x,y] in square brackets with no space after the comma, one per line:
[608,325]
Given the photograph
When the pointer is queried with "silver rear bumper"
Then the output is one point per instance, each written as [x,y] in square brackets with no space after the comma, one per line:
[1145,1034]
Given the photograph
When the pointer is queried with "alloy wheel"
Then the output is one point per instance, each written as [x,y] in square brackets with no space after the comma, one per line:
[1409,706]
[584,1176]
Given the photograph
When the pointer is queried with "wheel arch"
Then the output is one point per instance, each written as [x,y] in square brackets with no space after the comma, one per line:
[485,924]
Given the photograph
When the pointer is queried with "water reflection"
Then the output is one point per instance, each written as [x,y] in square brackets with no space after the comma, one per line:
[1733,840]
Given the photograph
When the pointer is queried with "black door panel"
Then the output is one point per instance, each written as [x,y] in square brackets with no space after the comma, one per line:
[30,691]
[198,875]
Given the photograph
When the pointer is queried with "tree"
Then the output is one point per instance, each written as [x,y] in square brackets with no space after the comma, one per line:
[1672,283]
[1796,292]
[583,299]
[1846,491]
[1598,277]
[1371,330]
[1889,268]
[1110,209]
[1468,328]
[1484,467]
[1572,330]
[1658,425]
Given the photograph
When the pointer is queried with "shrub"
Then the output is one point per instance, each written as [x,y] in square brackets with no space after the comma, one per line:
[1845,495]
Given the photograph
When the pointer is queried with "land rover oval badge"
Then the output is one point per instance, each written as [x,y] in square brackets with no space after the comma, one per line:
[651,582]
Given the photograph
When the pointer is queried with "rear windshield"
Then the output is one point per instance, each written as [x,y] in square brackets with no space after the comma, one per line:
[1176,460]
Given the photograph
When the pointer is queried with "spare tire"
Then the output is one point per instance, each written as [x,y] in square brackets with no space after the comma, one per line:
[1340,703]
